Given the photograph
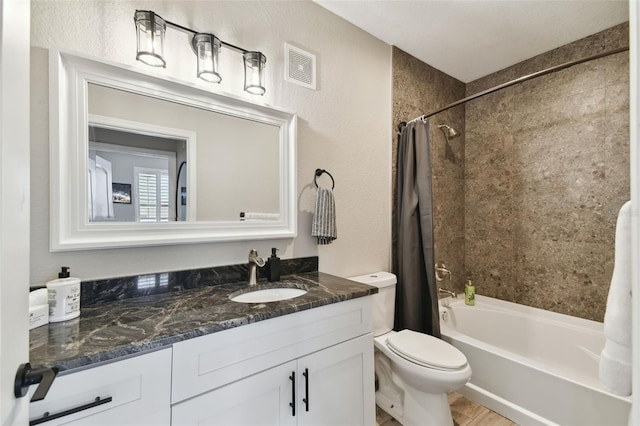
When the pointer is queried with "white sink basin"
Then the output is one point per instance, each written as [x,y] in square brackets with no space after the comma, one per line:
[268,295]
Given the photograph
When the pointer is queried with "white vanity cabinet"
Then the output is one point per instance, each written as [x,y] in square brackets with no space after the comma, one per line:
[334,384]
[245,375]
[133,391]
[261,399]
[318,362]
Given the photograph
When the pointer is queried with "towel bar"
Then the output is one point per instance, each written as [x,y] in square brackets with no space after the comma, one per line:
[319,172]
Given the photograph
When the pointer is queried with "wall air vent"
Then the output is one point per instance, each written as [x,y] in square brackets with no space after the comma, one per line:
[299,67]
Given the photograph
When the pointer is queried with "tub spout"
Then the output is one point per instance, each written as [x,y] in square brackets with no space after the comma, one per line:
[449,292]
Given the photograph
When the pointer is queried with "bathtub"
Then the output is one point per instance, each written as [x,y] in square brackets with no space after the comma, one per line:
[533,366]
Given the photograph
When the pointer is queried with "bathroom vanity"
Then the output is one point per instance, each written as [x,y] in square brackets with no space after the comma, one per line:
[196,357]
[172,348]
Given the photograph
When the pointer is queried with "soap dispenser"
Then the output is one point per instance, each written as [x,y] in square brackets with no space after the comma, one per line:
[274,266]
[469,293]
[63,297]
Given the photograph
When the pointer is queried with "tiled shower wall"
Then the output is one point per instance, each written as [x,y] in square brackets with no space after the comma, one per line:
[546,171]
[525,202]
[418,89]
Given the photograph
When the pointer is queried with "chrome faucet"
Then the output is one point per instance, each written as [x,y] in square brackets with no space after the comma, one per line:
[449,292]
[255,261]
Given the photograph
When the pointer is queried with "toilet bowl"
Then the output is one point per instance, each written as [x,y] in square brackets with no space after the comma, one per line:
[414,371]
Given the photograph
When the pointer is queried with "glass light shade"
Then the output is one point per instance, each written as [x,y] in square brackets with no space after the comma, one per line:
[207,48]
[254,63]
[150,29]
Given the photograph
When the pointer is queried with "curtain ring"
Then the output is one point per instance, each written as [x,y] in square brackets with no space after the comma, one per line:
[318,173]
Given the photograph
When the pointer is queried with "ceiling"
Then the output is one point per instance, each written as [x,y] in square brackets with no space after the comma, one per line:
[469,39]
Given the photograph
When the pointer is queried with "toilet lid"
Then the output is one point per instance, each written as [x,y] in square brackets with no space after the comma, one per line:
[426,350]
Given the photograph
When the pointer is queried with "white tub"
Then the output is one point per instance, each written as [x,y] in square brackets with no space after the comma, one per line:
[530,365]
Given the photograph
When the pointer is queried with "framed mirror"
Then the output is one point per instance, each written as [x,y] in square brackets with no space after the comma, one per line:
[140,160]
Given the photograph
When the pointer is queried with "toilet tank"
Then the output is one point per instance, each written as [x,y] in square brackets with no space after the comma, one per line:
[384,302]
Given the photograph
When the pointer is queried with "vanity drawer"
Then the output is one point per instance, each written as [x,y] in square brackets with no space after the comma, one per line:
[211,361]
[139,388]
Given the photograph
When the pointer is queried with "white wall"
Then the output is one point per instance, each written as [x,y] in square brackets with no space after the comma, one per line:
[344,126]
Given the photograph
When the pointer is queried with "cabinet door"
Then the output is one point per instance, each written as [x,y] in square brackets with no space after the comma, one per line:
[339,387]
[258,400]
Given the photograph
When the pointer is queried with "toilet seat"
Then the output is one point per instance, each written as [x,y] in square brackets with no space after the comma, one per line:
[425,350]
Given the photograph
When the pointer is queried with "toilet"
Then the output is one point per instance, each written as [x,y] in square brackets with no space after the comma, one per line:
[414,371]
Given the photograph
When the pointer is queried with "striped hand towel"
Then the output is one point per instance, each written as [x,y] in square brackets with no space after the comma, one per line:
[324,218]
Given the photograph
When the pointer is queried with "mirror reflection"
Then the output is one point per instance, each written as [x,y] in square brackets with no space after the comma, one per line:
[154,160]
[135,177]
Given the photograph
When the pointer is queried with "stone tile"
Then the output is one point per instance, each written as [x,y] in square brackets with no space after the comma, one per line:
[617,36]
[493,111]
[617,139]
[490,264]
[561,187]
[564,277]
[489,208]
[451,252]
[551,212]
[579,49]
[447,156]
[448,207]
[616,68]
[489,154]
[547,151]
[567,82]
[617,154]
[551,107]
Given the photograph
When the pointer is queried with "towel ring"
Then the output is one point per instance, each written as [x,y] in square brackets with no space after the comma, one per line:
[318,173]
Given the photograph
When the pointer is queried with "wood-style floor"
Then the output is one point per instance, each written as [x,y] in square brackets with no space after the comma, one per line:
[464,412]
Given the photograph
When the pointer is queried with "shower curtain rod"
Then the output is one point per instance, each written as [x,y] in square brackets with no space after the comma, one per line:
[518,80]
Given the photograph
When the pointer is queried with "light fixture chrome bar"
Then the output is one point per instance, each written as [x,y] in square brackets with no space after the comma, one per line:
[193,33]
[206,46]
[180,28]
[232,47]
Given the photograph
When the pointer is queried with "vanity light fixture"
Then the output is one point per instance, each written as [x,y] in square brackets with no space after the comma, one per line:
[150,30]
[207,48]
[254,63]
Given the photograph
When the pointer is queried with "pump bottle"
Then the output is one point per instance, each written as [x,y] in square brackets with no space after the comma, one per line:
[64,297]
[469,293]
[274,266]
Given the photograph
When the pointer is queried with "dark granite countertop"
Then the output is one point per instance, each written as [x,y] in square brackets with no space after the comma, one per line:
[122,328]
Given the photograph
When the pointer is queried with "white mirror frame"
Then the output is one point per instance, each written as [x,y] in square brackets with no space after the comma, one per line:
[69,76]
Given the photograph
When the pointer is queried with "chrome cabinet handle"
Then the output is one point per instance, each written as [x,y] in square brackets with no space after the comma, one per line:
[46,417]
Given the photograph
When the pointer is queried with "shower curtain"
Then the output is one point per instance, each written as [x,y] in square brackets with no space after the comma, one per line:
[416,292]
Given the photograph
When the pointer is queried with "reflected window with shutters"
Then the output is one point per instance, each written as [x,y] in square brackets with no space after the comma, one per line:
[151,195]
